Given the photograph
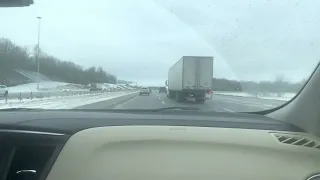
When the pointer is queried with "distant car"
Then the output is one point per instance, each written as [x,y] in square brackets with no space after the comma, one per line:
[162,89]
[4,90]
[65,90]
[94,89]
[144,90]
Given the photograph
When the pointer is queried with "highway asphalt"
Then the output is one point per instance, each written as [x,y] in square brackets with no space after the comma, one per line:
[220,103]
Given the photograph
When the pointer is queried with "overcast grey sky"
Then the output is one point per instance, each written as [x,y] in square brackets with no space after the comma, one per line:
[139,40]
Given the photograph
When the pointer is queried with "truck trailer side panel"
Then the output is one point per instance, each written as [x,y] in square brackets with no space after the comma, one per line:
[175,76]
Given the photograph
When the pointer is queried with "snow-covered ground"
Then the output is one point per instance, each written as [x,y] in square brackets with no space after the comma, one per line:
[272,96]
[242,94]
[61,102]
[53,86]
[32,87]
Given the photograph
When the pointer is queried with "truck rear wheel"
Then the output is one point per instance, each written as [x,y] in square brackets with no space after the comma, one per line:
[170,94]
[178,96]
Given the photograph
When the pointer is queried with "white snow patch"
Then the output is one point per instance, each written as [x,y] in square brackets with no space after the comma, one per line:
[62,102]
[241,94]
[32,87]
[272,96]
[275,96]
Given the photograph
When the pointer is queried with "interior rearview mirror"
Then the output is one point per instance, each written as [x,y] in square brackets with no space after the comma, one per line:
[15,3]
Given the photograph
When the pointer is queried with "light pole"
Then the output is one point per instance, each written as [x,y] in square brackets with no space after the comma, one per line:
[38,49]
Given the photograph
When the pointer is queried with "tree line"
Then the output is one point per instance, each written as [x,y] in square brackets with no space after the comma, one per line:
[14,57]
[279,85]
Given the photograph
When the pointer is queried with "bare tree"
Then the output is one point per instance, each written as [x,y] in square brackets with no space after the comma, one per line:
[14,57]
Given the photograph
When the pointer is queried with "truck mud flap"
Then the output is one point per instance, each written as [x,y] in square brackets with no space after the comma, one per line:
[209,95]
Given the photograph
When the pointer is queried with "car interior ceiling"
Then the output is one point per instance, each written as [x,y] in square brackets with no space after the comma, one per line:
[303,110]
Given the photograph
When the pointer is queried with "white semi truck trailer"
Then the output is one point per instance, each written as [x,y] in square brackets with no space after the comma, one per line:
[190,77]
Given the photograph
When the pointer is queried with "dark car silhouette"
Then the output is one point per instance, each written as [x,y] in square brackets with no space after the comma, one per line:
[162,89]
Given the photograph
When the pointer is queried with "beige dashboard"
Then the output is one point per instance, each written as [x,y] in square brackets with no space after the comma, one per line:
[186,153]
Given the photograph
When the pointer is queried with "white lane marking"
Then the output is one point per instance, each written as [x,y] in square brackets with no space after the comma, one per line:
[127,101]
[158,96]
[227,110]
[268,105]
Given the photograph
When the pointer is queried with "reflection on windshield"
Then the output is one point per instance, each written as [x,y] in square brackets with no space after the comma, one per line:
[225,56]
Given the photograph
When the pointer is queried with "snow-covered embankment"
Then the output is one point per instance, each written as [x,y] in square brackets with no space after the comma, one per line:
[272,96]
[63,102]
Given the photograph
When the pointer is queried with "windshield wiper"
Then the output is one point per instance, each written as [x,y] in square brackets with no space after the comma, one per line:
[138,110]
[21,109]
[108,110]
[176,108]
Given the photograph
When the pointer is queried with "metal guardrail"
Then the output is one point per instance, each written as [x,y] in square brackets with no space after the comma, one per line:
[47,94]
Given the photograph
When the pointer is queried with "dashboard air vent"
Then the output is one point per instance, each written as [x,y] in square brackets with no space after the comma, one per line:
[28,155]
[296,140]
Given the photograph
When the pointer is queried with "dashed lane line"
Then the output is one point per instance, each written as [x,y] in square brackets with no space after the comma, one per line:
[127,102]
[227,110]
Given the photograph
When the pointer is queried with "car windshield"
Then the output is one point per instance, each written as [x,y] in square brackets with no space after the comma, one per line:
[224,56]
